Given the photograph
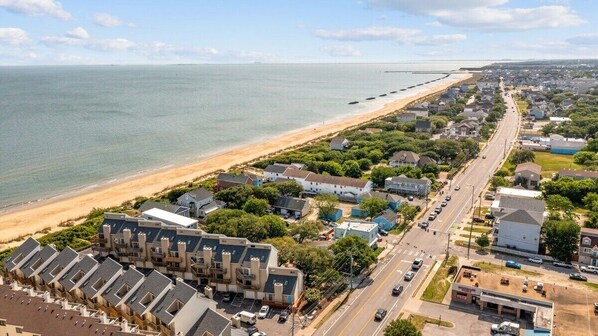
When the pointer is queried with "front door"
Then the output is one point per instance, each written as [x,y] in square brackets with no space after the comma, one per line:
[593,262]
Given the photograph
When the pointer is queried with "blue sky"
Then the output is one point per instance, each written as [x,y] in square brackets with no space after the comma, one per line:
[155,32]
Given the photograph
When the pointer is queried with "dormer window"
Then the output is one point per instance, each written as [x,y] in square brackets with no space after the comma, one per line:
[18,259]
[77,276]
[123,291]
[99,284]
[586,241]
[36,264]
[174,307]
[56,270]
[147,299]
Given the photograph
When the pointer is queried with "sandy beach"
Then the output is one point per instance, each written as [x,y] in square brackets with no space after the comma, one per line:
[37,217]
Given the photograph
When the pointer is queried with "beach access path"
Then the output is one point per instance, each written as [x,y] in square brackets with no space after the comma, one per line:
[39,216]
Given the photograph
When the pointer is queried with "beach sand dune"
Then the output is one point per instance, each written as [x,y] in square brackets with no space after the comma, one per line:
[36,217]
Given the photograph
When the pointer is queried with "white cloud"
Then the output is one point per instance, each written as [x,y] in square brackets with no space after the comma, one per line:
[78,33]
[486,15]
[107,20]
[434,24]
[341,50]
[14,36]
[400,35]
[584,39]
[36,7]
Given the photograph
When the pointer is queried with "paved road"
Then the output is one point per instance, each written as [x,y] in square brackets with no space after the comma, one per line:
[357,316]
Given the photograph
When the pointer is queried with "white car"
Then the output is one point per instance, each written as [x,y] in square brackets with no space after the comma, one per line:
[589,269]
[263,312]
[535,260]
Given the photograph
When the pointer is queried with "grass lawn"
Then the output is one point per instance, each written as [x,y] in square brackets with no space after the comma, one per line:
[441,282]
[494,268]
[420,321]
[398,229]
[552,163]
[485,230]
[521,104]
[590,285]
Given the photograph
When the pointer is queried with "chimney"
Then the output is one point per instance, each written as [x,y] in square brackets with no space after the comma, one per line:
[209,292]
[226,257]
[278,287]
[142,238]
[207,256]
[127,236]
[83,310]
[182,249]
[124,325]
[103,318]
[164,244]
[255,270]
[1,281]
[30,291]
[106,231]
[64,304]
[47,297]
[15,285]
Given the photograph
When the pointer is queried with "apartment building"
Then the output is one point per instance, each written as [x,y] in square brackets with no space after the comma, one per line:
[224,263]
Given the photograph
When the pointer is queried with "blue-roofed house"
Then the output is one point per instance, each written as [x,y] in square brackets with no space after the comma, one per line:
[386,220]
[393,200]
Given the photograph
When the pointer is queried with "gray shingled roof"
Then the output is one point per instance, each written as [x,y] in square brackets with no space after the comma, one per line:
[46,253]
[107,269]
[131,278]
[289,282]
[523,216]
[210,322]
[181,292]
[200,193]
[260,253]
[162,206]
[380,195]
[240,179]
[524,203]
[405,156]
[65,257]
[23,251]
[405,179]
[155,283]
[85,265]
[338,180]
[291,203]
[276,168]
[389,215]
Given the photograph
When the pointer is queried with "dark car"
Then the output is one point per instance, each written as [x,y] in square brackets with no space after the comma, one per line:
[397,290]
[595,307]
[410,198]
[284,315]
[383,233]
[251,330]
[227,297]
[562,264]
[479,220]
[380,314]
[577,276]
[447,198]
[424,225]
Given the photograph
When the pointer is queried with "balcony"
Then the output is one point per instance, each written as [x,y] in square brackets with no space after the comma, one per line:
[217,280]
[220,270]
[173,259]
[99,240]
[244,276]
[246,286]
[98,248]
[175,268]
[120,244]
[134,258]
[199,271]
[129,251]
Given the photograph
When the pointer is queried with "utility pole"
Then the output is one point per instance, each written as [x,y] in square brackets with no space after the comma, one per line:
[504,151]
[293,322]
[472,214]
[351,266]
[448,241]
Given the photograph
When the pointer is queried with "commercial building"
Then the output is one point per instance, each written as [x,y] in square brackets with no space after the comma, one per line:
[227,264]
[169,218]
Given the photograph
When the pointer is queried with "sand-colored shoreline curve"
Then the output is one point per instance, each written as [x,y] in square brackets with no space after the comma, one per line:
[41,216]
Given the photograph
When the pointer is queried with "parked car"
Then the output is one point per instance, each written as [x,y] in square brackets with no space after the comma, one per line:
[424,225]
[577,276]
[535,260]
[483,156]
[479,220]
[380,314]
[444,204]
[227,297]
[383,232]
[447,198]
[438,209]
[563,264]
[490,196]
[410,198]
[283,317]
[595,307]
[489,215]
[251,330]
[258,333]
[432,216]
[457,187]
[589,269]
[263,311]
[397,290]
[409,275]
[513,264]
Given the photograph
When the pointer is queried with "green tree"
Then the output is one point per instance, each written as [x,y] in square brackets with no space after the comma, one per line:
[331,167]
[363,255]
[583,157]
[498,181]
[352,169]
[430,167]
[364,164]
[275,225]
[256,206]
[250,227]
[235,197]
[305,230]
[521,156]
[557,204]
[326,204]
[312,260]
[401,328]
[271,194]
[590,201]
[592,145]
[407,212]
[409,171]
[482,240]
[380,174]
[375,156]
[561,238]
[372,206]
[286,247]
[223,216]
[290,188]
[312,295]
[174,194]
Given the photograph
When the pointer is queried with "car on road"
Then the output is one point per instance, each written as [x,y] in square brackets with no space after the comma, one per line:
[438,209]
[577,276]
[595,307]
[447,198]
[409,275]
[263,311]
[589,269]
[424,225]
[563,264]
[410,198]
[227,297]
[397,290]
[535,260]
[380,314]
[284,316]
[457,187]
[443,204]
[513,264]
[417,264]
[483,156]
[432,216]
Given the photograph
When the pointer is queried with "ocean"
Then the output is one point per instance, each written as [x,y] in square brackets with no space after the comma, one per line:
[70,128]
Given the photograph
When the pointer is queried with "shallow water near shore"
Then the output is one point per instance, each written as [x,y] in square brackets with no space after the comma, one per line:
[65,129]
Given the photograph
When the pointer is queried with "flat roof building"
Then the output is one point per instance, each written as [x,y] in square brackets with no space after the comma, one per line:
[169,218]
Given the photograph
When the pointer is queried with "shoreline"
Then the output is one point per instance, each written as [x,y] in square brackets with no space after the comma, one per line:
[28,218]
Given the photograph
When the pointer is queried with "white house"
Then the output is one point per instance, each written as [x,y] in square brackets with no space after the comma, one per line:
[363,229]
[169,218]
[339,144]
[200,201]
[344,187]
[517,191]
[519,222]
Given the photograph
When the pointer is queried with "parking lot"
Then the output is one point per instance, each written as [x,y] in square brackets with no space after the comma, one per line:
[269,325]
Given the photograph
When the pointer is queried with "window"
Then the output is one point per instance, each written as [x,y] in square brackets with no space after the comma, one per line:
[19,330]
[123,291]
[56,270]
[2,322]
[36,264]
[174,307]
[147,299]
[98,284]
[18,259]
[77,276]
[587,250]
[586,241]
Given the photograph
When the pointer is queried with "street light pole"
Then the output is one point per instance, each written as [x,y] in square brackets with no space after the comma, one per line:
[351,266]
[448,242]
[472,215]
